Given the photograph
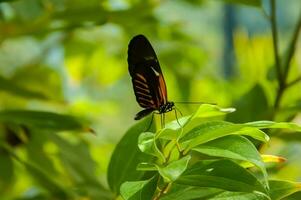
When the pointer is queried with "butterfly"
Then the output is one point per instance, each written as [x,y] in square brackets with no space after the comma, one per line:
[147,78]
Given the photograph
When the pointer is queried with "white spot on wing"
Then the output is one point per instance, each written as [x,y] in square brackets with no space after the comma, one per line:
[150,58]
[156,73]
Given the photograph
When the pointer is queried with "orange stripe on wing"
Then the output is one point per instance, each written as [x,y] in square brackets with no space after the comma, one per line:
[162,89]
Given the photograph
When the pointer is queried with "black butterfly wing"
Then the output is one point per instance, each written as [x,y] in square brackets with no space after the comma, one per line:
[148,81]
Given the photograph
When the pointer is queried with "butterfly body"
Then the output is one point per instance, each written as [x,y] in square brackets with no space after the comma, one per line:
[147,78]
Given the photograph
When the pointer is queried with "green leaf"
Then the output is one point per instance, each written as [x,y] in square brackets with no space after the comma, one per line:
[184,192]
[11,87]
[233,147]
[83,170]
[222,174]
[139,190]
[42,120]
[240,196]
[212,130]
[40,158]
[6,170]
[172,129]
[147,144]
[265,159]
[271,124]
[205,112]
[280,189]
[173,170]
[146,167]
[55,188]
[256,3]
[46,181]
[294,196]
[127,156]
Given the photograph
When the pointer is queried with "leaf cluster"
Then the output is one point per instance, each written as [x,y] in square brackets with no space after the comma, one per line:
[197,157]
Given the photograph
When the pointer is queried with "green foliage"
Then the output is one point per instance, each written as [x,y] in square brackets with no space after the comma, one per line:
[39,119]
[10,87]
[222,171]
[63,75]
[139,189]
[126,157]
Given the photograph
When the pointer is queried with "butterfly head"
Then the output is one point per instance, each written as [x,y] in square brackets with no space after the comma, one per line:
[166,107]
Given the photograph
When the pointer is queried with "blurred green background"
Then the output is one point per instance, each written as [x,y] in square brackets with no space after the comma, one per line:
[69,57]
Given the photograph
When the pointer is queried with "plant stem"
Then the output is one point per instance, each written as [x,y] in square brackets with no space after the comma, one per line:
[282,77]
[297,80]
[163,191]
[273,22]
[291,48]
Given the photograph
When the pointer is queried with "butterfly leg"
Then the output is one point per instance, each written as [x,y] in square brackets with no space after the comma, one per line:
[150,124]
[161,120]
[176,114]
[177,140]
[179,111]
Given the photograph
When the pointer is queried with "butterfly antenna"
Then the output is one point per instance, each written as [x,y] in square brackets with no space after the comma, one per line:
[194,102]
[179,111]
[176,114]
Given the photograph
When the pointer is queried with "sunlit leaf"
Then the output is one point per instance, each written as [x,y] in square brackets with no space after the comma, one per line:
[222,174]
[147,167]
[205,112]
[239,196]
[173,170]
[211,130]
[272,158]
[271,124]
[6,169]
[147,144]
[233,147]
[139,190]
[184,192]
[265,159]
[280,189]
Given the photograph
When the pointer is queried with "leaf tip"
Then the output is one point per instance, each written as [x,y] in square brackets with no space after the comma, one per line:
[272,158]
[90,130]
